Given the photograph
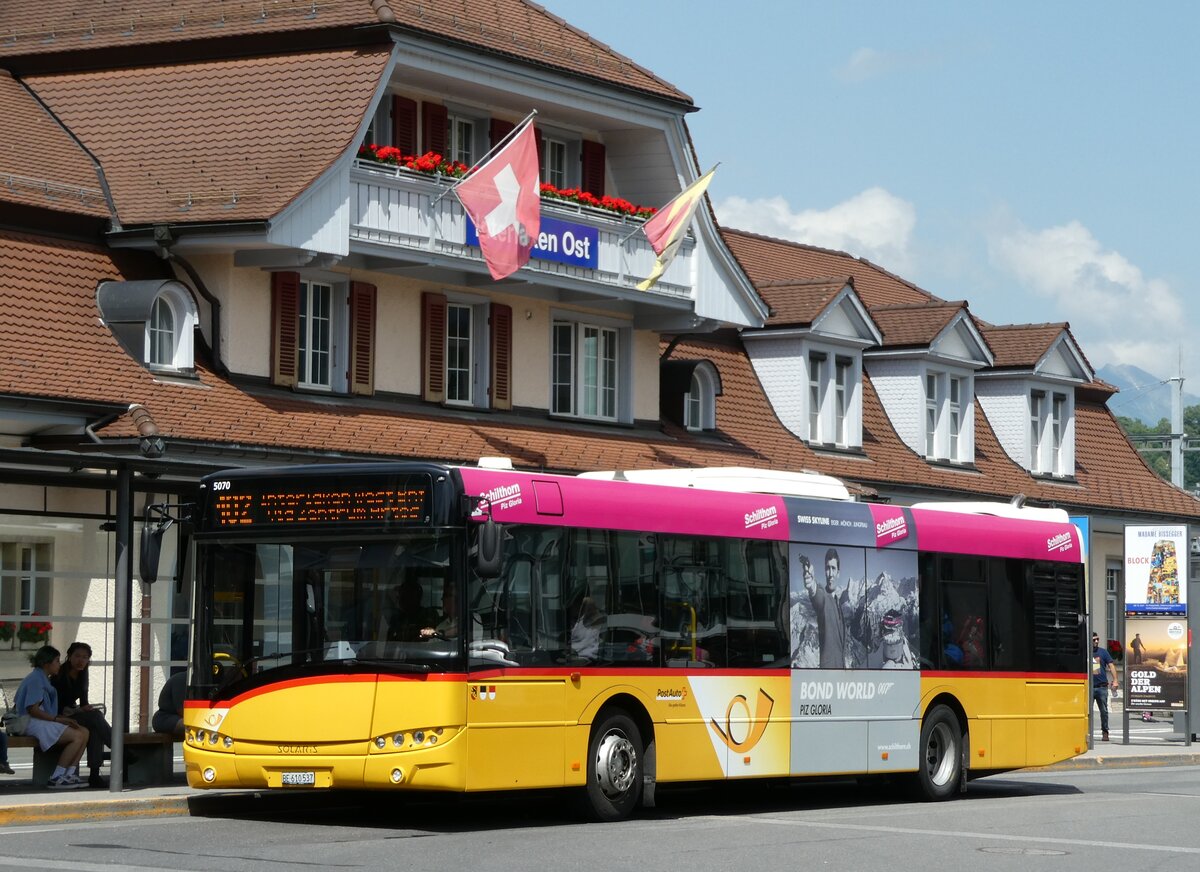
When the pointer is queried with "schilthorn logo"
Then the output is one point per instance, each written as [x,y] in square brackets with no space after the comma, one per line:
[894,528]
[1061,542]
[503,496]
[764,517]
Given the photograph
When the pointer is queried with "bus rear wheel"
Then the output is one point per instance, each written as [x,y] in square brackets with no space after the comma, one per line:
[941,762]
[614,770]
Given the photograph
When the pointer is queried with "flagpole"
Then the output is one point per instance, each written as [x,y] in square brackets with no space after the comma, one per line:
[483,160]
[634,231]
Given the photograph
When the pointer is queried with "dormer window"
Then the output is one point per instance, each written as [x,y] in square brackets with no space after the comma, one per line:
[1049,419]
[700,401]
[834,405]
[947,401]
[154,321]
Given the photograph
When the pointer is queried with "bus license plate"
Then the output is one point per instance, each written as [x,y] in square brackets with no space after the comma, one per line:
[300,779]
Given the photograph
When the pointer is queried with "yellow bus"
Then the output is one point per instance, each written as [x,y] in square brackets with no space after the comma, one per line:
[421,627]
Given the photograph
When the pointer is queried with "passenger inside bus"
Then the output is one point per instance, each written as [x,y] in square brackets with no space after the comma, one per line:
[586,631]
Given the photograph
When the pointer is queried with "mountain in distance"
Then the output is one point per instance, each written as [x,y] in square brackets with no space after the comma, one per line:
[1144,395]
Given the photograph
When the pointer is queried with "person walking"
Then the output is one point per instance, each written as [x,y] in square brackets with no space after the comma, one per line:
[1104,678]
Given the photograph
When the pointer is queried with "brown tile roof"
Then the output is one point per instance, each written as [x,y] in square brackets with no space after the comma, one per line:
[1020,346]
[40,165]
[232,140]
[516,28]
[915,324]
[51,283]
[771,260]
[800,301]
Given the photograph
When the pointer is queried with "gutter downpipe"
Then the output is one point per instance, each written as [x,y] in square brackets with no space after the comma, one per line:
[165,240]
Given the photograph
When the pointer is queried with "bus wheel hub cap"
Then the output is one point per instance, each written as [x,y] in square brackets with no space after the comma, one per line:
[615,764]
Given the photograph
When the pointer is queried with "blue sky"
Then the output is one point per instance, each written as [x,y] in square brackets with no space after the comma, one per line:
[1036,159]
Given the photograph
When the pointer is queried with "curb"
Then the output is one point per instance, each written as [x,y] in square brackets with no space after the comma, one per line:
[1120,761]
[100,809]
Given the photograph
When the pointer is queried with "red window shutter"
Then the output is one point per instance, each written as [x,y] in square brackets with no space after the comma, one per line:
[433,347]
[285,321]
[362,339]
[434,119]
[404,124]
[593,167]
[501,353]
[499,129]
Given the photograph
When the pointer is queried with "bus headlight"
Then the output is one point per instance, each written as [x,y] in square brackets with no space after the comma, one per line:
[398,740]
[381,742]
[397,776]
[210,775]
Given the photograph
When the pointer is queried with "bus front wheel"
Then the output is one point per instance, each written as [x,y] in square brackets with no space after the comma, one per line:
[941,761]
[614,770]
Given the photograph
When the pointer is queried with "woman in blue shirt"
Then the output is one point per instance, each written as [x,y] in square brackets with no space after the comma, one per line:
[37,698]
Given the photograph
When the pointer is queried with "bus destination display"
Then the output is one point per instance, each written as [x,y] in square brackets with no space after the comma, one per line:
[368,503]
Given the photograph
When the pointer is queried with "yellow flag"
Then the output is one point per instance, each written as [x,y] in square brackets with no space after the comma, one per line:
[669,225]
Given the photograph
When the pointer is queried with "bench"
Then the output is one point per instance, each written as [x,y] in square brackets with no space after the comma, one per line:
[149,758]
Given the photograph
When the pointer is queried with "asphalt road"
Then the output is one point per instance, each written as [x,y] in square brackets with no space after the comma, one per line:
[1094,820]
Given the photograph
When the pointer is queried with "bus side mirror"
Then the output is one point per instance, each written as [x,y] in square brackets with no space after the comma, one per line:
[488,551]
[152,536]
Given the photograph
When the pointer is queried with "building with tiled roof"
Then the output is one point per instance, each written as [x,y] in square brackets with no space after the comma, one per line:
[201,267]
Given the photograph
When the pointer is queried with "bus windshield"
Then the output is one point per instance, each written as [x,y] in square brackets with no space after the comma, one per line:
[293,602]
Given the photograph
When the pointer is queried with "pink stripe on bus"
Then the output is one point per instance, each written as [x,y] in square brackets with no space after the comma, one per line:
[611,505]
[987,535]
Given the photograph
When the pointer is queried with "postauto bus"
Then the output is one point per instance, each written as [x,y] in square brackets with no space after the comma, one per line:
[421,627]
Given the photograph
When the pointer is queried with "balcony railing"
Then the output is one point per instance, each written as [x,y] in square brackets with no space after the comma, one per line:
[394,207]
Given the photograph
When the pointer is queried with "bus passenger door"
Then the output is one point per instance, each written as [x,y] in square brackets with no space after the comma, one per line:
[515,695]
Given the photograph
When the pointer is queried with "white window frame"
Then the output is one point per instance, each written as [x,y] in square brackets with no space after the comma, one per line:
[1051,430]
[816,394]
[843,370]
[571,145]
[832,395]
[478,310]
[337,338]
[554,162]
[700,401]
[182,334]
[954,417]
[949,395]
[456,124]
[600,393]
[460,349]
[932,407]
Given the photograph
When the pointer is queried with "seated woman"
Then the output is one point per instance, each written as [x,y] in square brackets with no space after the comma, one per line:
[72,686]
[585,632]
[37,698]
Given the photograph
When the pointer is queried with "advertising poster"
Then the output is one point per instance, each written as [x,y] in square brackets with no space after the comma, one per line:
[1156,663]
[1156,559]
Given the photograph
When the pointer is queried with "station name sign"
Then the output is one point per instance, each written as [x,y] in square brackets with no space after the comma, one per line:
[559,241]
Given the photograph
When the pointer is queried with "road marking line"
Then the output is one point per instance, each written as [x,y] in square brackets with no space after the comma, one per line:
[987,837]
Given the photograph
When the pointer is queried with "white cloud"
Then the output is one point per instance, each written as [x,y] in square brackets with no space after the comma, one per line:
[874,224]
[868,63]
[1119,314]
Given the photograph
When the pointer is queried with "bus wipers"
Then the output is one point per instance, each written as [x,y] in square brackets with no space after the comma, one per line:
[395,665]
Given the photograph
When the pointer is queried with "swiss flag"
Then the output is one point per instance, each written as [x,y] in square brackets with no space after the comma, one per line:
[503,198]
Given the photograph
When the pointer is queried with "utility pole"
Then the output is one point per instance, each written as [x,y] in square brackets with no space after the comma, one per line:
[1177,434]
